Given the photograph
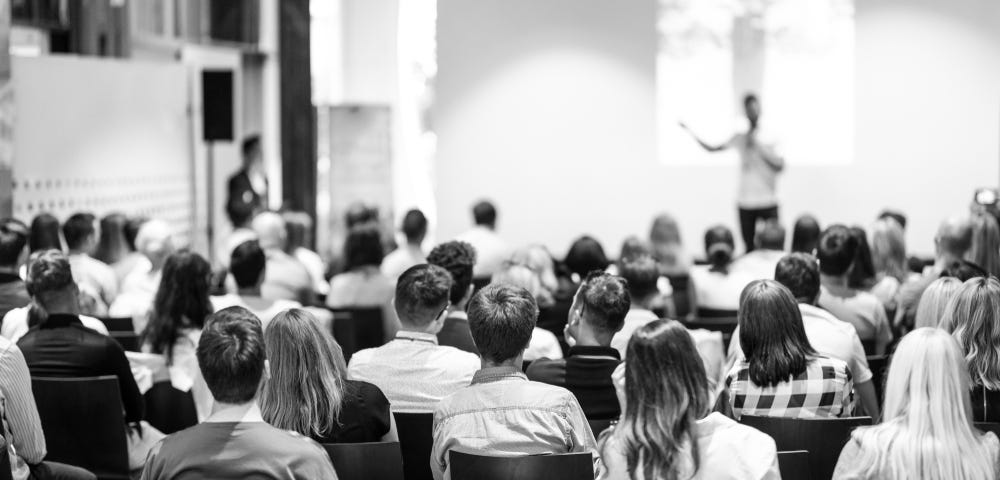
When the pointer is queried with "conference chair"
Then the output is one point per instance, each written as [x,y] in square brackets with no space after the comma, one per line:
[128,340]
[566,466]
[5,472]
[715,313]
[823,438]
[118,324]
[416,438]
[370,461]
[794,465]
[681,283]
[879,365]
[169,409]
[600,425]
[357,329]
[83,423]
[869,346]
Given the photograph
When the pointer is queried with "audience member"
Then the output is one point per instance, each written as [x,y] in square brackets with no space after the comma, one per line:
[13,253]
[632,247]
[934,302]
[837,253]
[544,343]
[459,259]
[248,266]
[502,412]
[285,278]
[413,371]
[598,312]
[363,284]
[675,263]
[717,287]
[799,273]
[759,264]
[235,441]
[805,234]
[862,274]
[491,250]
[113,249]
[308,392]
[399,260]
[973,318]
[248,188]
[631,293]
[667,430]
[889,259]
[584,256]
[782,375]
[241,217]
[985,248]
[299,226]
[895,215]
[155,242]
[96,278]
[176,321]
[926,429]
[952,241]
[44,233]
[134,258]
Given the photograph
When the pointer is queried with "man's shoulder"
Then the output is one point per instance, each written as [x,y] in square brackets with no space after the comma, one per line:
[547,370]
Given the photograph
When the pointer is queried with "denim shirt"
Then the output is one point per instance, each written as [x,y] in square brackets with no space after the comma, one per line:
[502,413]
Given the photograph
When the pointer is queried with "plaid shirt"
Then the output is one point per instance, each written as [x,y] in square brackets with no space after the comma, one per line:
[822,391]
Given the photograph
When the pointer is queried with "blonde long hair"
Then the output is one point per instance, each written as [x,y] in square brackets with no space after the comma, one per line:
[926,431]
[973,317]
[934,301]
[305,391]
[888,247]
[985,249]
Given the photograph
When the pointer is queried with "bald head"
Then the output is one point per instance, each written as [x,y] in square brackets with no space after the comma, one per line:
[954,238]
[155,241]
[270,230]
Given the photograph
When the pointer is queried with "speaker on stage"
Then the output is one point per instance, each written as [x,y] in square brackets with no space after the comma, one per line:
[217,105]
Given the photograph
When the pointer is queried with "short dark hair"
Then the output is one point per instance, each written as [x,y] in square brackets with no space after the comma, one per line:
[862,274]
[240,213]
[606,300]
[247,263]
[484,213]
[250,144]
[48,271]
[231,355]
[414,225]
[421,294]
[964,270]
[585,255]
[641,275]
[457,258]
[799,273]
[837,250]
[805,234]
[363,247]
[771,235]
[750,97]
[772,336]
[13,239]
[77,228]
[501,318]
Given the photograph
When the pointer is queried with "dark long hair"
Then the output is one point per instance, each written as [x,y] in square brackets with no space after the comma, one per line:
[666,391]
[771,333]
[863,270]
[44,233]
[112,245]
[181,301]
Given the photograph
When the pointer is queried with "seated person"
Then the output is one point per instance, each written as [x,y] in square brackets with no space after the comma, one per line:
[154,241]
[782,375]
[415,229]
[235,441]
[286,278]
[491,250]
[544,343]
[13,252]
[598,312]
[759,264]
[837,252]
[363,285]
[716,286]
[248,267]
[412,370]
[94,276]
[458,258]
[951,242]
[502,412]
[972,317]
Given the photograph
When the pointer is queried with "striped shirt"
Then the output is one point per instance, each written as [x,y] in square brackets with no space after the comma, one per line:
[20,415]
[823,390]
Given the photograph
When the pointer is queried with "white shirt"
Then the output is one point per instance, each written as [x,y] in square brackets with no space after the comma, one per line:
[265,310]
[315,266]
[828,336]
[758,178]
[543,344]
[413,371]
[860,309]
[635,319]
[95,273]
[401,259]
[137,295]
[716,290]
[709,344]
[757,265]
[15,324]
[491,250]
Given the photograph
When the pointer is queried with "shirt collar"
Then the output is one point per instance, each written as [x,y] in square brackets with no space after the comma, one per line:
[496,374]
[58,320]
[460,314]
[417,336]
[594,351]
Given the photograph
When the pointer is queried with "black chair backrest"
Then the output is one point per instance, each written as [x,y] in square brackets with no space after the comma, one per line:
[869,346]
[416,437]
[794,465]
[598,426]
[879,365]
[371,461]
[823,438]
[83,423]
[567,466]
[357,329]
[989,427]
[118,324]
[5,471]
[715,313]
[169,409]
[128,340]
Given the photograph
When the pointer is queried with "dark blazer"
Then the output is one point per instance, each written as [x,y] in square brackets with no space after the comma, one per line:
[456,333]
[241,192]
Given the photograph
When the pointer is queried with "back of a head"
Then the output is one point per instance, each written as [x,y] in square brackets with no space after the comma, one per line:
[111,246]
[836,251]
[457,258]
[131,230]
[270,230]
[298,228]
[48,274]
[633,247]
[181,301]
[247,264]
[155,239]
[799,273]
[666,392]
[889,249]
[605,300]
[231,355]
[586,255]
[485,214]
[250,149]
[641,274]
[44,233]
[772,336]
[539,260]
[862,274]
[78,229]
[963,270]
[363,248]
[501,319]
[719,247]
[519,276]
[770,236]
[360,215]
[954,237]
[664,231]
[414,226]
[934,302]
[805,234]
[240,213]
[422,295]
[895,216]
[985,249]
[973,317]
[13,240]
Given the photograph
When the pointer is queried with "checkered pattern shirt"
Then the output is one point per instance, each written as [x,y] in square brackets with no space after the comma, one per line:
[822,391]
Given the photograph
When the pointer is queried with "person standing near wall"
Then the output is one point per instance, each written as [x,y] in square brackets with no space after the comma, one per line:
[760,165]
[249,185]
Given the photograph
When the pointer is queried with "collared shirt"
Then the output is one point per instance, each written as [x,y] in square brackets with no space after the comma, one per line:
[22,427]
[95,274]
[823,390]
[491,250]
[13,293]
[401,259]
[586,372]
[504,414]
[828,336]
[413,371]
[860,309]
[15,324]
